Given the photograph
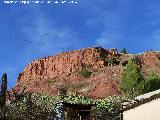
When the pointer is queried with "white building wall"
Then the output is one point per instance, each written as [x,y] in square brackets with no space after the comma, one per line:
[147,111]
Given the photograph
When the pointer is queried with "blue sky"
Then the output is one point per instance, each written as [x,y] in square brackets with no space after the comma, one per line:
[33,31]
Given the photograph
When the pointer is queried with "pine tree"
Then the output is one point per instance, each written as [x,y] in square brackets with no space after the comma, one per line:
[132,83]
[124,51]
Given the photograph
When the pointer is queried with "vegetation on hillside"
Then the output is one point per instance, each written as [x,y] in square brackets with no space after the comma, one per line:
[132,83]
[124,51]
[85,73]
[152,82]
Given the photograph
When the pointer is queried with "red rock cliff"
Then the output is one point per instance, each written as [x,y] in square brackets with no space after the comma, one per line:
[65,63]
[46,75]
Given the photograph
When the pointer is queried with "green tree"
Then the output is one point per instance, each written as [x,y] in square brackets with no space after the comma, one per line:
[132,82]
[124,51]
[152,82]
[3,90]
[31,107]
[3,95]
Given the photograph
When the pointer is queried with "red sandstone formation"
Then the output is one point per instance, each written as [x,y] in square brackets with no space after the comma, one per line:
[150,58]
[46,75]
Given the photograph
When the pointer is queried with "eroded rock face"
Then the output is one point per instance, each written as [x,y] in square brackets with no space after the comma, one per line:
[65,63]
[150,58]
[47,74]
[104,88]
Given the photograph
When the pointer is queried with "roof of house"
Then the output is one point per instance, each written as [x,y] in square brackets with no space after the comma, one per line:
[148,95]
[139,100]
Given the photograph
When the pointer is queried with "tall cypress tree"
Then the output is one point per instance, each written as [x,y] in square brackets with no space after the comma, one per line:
[3,90]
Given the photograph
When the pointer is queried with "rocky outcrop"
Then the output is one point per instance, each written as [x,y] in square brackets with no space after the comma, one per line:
[65,63]
[150,61]
[46,75]
[150,58]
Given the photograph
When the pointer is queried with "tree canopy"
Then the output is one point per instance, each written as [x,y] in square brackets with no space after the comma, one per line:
[124,51]
[132,82]
[152,82]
